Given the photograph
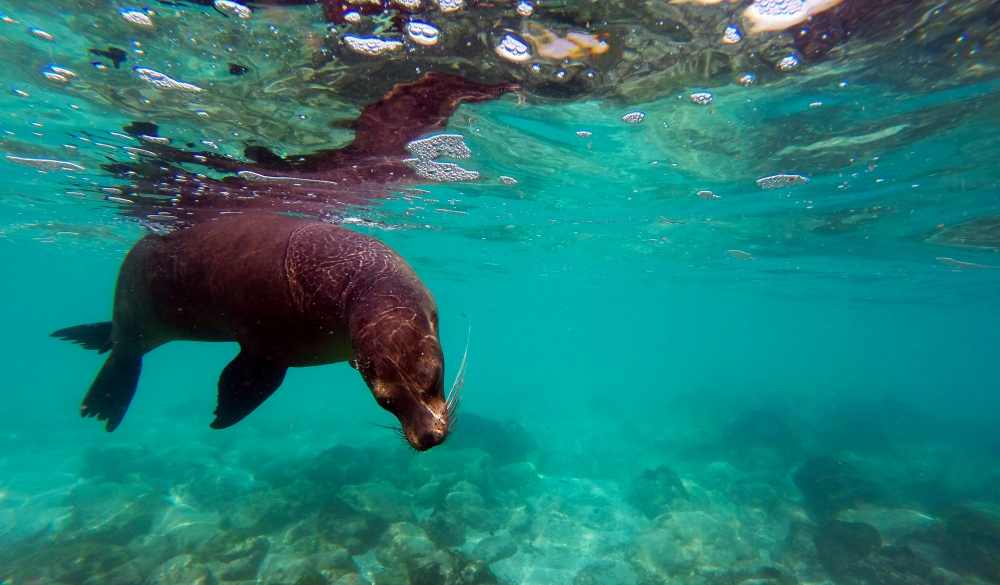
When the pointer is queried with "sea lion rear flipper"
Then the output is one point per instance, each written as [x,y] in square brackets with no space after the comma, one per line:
[113,389]
[244,385]
[95,336]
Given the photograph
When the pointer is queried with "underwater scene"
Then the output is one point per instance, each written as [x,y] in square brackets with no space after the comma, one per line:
[459,292]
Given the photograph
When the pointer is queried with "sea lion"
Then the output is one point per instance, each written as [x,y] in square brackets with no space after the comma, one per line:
[293,292]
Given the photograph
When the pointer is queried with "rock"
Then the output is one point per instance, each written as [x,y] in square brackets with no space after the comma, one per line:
[471,508]
[381,500]
[340,524]
[108,513]
[181,570]
[495,548]
[893,524]
[444,528]
[605,572]
[971,543]
[840,545]
[259,513]
[656,490]
[451,568]
[242,561]
[126,574]
[752,493]
[830,486]
[517,476]
[284,568]
[403,542]
[684,541]
[189,531]
[118,463]
[506,441]
[354,579]
[341,465]
[759,439]
[334,562]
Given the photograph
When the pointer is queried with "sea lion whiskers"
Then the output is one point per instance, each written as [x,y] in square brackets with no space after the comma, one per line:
[454,400]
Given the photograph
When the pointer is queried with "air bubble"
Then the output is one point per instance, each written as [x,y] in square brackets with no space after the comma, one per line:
[450,5]
[163,81]
[230,8]
[732,35]
[513,49]
[702,98]
[788,62]
[422,33]
[781,181]
[525,8]
[450,145]
[136,17]
[372,46]
[747,79]
[634,117]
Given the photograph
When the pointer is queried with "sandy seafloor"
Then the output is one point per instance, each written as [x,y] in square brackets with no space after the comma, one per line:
[611,433]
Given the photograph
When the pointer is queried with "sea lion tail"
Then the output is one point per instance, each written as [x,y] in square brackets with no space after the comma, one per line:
[113,389]
[94,336]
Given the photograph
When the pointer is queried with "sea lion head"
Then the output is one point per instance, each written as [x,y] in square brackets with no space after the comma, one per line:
[400,358]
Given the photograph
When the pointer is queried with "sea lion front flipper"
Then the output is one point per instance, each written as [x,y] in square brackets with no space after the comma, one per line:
[244,385]
[113,389]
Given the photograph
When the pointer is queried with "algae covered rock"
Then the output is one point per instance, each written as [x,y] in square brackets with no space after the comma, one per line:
[181,570]
[656,491]
[830,486]
[761,439]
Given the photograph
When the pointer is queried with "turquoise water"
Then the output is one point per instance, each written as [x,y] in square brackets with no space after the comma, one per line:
[794,385]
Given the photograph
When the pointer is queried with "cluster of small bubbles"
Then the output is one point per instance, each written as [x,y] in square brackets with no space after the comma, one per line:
[788,62]
[452,145]
[747,79]
[352,17]
[633,117]
[163,81]
[230,8]
[508,180]
[422,33]
[781,181]
[707,195]
[136,17]
[444,172]
[525,8]
[741,255]
[59,74]
[411,5]
[45,164]
[40,33]
[450,5]
[154,139]
[372,46]
[584,134]
[514,49]
[732,35]
[136,152]
[702,98]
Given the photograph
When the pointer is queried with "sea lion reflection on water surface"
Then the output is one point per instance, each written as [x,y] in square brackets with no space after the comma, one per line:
[293,292]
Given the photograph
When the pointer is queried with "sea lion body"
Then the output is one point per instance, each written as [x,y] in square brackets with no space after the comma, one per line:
[293,292]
